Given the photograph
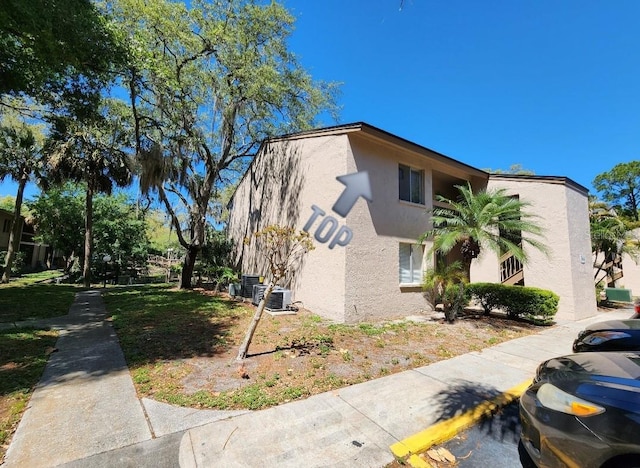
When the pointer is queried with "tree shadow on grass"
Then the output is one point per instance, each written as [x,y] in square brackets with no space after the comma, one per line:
[23,356]
[157,323]
[35,301]
[152,323]
[300,347]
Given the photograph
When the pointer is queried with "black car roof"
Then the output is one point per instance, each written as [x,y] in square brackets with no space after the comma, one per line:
[630,324]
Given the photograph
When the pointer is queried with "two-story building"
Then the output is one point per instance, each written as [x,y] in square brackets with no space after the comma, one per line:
[378,273]
[35,253]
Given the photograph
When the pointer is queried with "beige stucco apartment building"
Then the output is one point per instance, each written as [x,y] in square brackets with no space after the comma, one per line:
[378,273]
[567,267]
[35,254]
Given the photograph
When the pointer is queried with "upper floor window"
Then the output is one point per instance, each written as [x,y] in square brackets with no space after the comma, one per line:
[411,183]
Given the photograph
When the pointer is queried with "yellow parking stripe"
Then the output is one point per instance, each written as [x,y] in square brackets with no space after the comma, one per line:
[408,448]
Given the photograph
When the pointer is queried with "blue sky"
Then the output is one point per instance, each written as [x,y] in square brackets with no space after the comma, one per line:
[551,85]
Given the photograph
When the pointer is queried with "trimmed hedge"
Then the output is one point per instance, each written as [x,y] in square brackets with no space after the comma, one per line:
[515,300]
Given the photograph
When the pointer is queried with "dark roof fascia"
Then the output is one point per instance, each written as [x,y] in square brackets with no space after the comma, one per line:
[384,135]
[544,179]
[369,130]
[318,132]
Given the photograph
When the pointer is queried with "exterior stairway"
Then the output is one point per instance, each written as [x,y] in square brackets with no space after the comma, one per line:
[511,270]
[613,267]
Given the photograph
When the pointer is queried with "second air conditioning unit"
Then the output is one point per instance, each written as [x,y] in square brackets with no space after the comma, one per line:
[280,298]
[258,293]
[247,282]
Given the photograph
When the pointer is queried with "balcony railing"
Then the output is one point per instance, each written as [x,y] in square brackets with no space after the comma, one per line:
[613,267]
[511,270]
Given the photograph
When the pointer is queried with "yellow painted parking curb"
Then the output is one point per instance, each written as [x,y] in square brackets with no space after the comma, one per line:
[409,448]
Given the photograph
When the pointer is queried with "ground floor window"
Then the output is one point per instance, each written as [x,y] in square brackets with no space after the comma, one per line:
[411,263]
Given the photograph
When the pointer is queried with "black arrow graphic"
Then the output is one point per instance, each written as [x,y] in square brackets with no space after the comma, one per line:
[357,185]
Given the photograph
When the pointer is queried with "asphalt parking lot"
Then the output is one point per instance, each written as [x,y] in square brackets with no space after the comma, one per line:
[491,442]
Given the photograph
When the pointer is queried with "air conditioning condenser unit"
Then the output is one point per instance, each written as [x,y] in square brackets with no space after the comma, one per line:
[280,299]
[247,282]
[258,293]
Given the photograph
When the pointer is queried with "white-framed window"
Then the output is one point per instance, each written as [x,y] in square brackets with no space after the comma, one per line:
[411,184]
[410,263]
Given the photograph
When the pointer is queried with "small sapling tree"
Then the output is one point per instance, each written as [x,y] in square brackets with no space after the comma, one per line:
[282,248]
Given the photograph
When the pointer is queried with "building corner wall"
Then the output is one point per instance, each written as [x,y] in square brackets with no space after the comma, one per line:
[566,267]
[280,187]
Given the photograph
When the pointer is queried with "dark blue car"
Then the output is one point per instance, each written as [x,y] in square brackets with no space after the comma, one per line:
[611,335]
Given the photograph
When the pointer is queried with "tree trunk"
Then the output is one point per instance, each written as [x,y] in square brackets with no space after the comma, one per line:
[634,205]
[16,230]
[470,249]
[88,237]
[187,267]
[466,263]
[244,347]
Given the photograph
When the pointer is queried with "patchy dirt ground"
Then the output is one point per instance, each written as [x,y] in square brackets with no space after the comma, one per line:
[294,356]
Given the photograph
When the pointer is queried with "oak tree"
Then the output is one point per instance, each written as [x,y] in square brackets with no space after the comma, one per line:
[621,187]
[208,83]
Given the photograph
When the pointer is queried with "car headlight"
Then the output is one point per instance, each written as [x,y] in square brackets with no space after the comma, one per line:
[553,398]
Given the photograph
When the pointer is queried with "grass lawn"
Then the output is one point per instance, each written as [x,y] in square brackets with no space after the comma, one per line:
[23,298]
[23,356]
[181,346]
[31,278]
[156,322]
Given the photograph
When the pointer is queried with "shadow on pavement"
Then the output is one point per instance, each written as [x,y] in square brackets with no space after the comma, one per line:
[462,396]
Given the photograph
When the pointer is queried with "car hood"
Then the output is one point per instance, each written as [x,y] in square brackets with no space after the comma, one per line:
[582,366]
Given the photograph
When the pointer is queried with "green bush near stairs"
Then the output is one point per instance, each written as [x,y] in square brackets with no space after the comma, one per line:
[517,301]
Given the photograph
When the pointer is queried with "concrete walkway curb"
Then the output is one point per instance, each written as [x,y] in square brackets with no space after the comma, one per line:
[85,402]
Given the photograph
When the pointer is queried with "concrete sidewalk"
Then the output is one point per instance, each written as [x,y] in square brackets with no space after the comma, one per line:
[85,413]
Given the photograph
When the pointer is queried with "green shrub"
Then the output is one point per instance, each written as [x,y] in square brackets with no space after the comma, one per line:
[533,303]
[488,294]
[599,291]
[18,261]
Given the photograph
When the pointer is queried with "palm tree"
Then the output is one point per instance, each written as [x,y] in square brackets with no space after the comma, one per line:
[487,219]
[91,153]
[20,159]
[610,238]
[444,285]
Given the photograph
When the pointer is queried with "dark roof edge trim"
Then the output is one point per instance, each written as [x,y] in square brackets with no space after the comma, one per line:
[377,132]
[545,179]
